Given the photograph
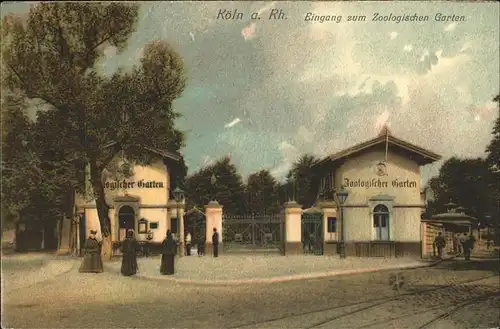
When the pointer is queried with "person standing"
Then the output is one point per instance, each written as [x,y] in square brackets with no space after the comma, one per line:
[188,243]
[466,245]
[455,243]
[459,243]
[201,247]
[129,259]
[462,240]
[215,242]
[168,254]
[92,261]
[440,243]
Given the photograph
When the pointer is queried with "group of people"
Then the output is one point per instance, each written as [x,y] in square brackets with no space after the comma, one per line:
[462,244]
[92,261]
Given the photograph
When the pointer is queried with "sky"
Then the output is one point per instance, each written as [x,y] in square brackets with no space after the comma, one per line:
[267,91]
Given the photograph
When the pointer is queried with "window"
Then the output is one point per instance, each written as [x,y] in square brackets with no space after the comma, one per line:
[142,225]
[381,222]
[332,225]
[153,226]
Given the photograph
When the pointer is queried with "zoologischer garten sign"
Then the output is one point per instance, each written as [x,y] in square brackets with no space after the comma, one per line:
[128,185]
[379,183]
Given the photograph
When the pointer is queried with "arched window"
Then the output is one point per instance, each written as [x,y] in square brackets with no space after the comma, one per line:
[381,222]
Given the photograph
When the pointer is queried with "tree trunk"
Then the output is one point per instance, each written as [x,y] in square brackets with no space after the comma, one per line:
[102,210]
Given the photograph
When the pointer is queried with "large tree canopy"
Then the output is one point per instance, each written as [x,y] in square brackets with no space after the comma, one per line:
[304,181]
[261,193]
[467,183]
[52,57]
[227,188]
[493,149]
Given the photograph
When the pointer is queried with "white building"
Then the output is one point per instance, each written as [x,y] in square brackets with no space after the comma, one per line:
[139,198]
[382,214]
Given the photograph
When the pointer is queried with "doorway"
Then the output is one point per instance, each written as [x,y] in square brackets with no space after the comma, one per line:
[381,222]
[126,219]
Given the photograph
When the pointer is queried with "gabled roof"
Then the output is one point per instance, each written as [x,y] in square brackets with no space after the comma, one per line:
[163,153]
[421,155]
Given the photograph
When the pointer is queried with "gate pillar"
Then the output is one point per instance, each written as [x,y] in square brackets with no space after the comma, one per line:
[293,228]
[213,215]
[330,233]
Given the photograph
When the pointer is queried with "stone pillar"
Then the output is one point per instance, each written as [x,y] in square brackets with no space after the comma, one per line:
[293,228]
[64,247]
[181,228]
[213,214]
[330,240]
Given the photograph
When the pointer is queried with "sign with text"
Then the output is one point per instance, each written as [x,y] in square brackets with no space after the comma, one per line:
[379,183]
[114,185]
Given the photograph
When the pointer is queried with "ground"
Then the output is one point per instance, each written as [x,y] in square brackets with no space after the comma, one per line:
[74,300]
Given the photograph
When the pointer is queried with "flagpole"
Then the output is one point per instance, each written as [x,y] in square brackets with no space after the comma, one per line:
[386,143]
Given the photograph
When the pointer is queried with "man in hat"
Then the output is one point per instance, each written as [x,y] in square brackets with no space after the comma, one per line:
[92,261]
[215,242]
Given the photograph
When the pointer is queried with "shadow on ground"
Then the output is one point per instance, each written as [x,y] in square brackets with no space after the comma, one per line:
[490,265]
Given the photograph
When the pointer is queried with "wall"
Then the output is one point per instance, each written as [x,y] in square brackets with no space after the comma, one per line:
[148,183]
[363,167]
[150,194]
[430,231]
[404,223]
[159,215]
[358,224]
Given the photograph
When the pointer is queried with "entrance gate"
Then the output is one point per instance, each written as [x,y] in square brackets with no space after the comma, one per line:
[312,231]
[195,222]
[253,231]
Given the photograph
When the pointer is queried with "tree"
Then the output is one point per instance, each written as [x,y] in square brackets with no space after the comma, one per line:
[52,58]
[261,193]
[228,188]
[465,182]
[18,167]
[493,149]
[304,180]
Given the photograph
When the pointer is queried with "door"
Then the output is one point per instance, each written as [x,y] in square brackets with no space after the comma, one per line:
[381,223]
[126,218]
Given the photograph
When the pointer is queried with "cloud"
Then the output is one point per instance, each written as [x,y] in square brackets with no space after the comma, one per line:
[393,35]
[232,123]
[425,54]
[450,27]
[382,120]
[249,32]
[465,47]
[408,48]
[207,160]
[289,154]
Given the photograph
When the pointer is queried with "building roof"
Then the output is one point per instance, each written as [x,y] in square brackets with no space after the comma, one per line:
[420,155]
[163,153]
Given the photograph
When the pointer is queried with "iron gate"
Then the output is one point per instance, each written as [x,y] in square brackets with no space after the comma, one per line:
[252,231]
[312,232]
[196,223]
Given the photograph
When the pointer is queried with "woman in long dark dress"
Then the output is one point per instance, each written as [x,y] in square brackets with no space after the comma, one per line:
[168,254]
[92,261]
[129,250]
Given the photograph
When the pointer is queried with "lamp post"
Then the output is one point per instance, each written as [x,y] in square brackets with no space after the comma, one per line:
[342,197]
[213,181]
[179,195]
